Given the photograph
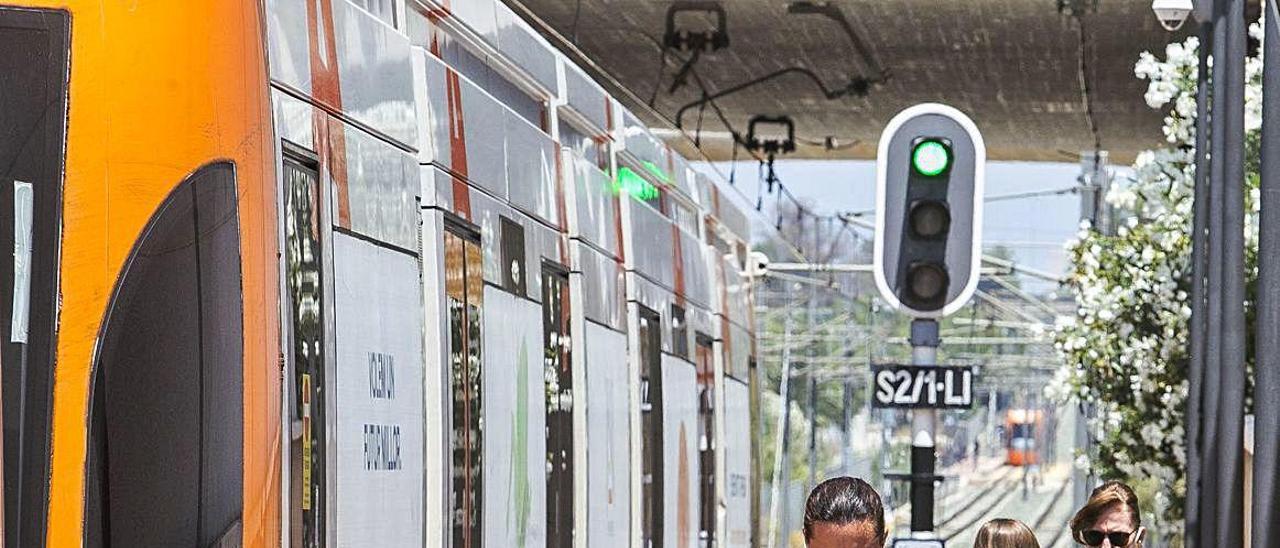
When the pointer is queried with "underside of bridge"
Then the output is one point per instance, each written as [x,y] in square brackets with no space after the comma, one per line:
[1042,83]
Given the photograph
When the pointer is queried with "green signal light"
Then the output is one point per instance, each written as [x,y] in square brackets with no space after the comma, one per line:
[931,158]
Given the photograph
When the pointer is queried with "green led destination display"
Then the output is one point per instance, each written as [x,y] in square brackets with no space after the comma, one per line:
[657,172]
[632,183]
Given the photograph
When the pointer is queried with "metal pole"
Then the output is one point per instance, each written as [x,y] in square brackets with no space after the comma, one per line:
[813,386]
[847,451]
[1079,478]
[924,351]
[1093,169]
[1199,323]
[813,431]
[1210,471]
[1266,393]
[992,421]
[783,431]
[1230,414]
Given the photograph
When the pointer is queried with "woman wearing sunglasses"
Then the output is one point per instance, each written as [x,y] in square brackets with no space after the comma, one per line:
[1110,519]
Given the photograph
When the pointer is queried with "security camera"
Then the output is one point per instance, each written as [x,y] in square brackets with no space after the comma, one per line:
[1172,13]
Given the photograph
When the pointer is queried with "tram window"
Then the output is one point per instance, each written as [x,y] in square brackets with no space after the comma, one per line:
[475,68]
[558,377]
[513,265]
[706,440]
[679,332]
[651,473]
[303,267]
[170,368]
[382,9]
[683,216]
[590,149]
[33,60]
[464,286]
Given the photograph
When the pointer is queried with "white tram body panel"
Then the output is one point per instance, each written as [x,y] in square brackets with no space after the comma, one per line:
[378,462]
[514,420]
[737,417]
[680,452]
[608,440]
[556,294]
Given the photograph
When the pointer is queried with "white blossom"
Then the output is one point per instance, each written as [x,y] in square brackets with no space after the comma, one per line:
[1127,340]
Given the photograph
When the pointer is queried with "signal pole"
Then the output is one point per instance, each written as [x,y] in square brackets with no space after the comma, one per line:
[924,352]
[813,391]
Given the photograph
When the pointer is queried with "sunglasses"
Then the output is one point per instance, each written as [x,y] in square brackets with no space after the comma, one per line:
[1095,538]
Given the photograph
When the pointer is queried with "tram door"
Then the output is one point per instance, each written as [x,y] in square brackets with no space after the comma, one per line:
[558,375]
[166,420]
[34,46]
[303,279]
[706,441]
[464,287]
[651,476]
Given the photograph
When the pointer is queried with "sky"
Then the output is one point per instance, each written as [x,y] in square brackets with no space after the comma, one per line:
[1034,229]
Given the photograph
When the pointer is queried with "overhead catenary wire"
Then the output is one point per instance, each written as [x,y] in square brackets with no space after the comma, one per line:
[1084,75]
[706,98]
[857,85]
[1075,189]
[577,16]
[739,141]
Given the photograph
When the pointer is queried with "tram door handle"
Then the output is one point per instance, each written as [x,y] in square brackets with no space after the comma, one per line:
[22,223]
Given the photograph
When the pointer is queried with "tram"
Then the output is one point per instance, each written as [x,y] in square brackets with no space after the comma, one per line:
[313,273]
[1023,428]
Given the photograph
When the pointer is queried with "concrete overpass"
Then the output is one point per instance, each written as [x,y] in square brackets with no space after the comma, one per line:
[1042,84]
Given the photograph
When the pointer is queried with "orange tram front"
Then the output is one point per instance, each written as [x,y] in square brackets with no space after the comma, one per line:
[140,335]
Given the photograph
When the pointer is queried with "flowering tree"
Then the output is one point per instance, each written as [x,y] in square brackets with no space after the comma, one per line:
[1125,351]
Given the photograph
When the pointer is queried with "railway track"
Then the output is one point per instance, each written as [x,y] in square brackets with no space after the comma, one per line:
[1044,509]
[981,508]
[976,495]
[1060,503]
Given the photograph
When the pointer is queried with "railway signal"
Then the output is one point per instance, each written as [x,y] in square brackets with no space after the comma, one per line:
[929,188]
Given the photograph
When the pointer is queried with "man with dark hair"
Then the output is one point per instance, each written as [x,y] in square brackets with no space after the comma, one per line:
[844,512]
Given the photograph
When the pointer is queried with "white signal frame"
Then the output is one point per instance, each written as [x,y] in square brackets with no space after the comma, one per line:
[979,193]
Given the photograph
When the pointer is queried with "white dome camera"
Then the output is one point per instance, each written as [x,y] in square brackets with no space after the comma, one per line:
[1172,13]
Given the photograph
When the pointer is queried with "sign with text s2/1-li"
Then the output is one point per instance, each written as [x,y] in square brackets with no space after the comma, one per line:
[922,387]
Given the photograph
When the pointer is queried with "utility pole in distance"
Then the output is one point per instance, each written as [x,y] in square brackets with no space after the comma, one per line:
[929,193]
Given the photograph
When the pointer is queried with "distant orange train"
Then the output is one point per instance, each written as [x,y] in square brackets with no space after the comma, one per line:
[1022,428]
